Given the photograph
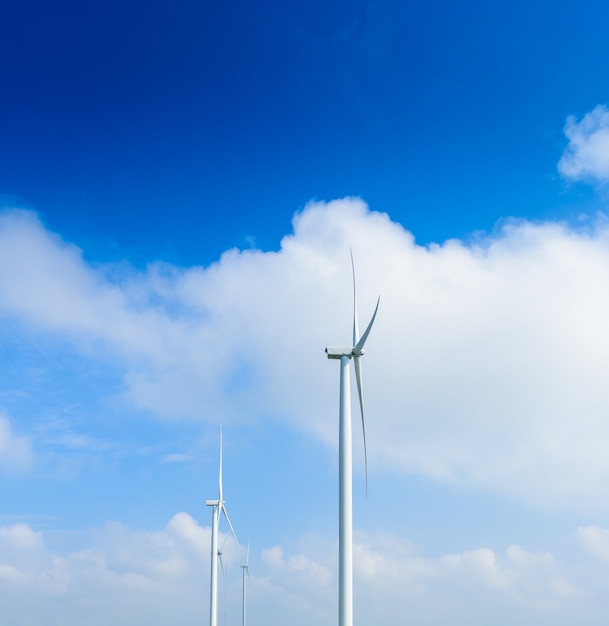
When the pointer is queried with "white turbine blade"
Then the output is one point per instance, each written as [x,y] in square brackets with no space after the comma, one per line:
[360,344]
[221,564]
[355,324]
[360,393]
[221,549]
[220,473]
[228,520]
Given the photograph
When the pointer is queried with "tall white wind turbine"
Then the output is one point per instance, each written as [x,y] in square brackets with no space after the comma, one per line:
[246,570]
[218,507]
[345,462]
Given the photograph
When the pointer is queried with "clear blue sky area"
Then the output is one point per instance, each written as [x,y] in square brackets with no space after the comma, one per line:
[178,130]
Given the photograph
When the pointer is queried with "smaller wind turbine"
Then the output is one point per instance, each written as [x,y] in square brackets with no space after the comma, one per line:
[345,463]
[246,570]
[218,508]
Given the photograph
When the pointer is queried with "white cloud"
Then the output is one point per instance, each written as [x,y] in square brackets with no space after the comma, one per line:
[184,528]
[595,540]
[124,576]
[391,580]
[273,556]
[16,452]
[486,367]
[586,157]
[20,536]
[389,563]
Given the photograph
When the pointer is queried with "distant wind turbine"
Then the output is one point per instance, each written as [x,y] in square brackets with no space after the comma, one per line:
[345,463]
[217,508]
[246,570]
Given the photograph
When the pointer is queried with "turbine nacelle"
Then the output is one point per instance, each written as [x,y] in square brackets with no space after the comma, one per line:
[335,352]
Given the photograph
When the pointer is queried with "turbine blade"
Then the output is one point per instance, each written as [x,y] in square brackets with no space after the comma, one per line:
[221,564]
[360,393]
[360,344]
[355,323]
[228,520]
[221,548]
[220,473]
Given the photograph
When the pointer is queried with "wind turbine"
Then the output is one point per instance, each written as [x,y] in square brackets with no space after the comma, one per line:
[246,569]
[218,507]
[345,462]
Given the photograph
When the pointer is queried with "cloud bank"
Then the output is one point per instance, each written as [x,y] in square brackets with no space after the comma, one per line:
[119,574]
[486,367]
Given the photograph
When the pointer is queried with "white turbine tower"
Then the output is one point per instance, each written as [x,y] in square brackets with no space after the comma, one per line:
[217,508]
[345,463]
[246,570]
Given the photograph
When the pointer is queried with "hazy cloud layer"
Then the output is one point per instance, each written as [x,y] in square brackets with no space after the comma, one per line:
[587,155]
[486,367]
[120,575]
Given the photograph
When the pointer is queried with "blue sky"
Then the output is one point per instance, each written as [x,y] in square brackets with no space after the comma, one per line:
[180,185]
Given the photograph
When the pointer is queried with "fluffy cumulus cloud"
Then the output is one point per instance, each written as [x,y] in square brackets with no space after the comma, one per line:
[120,575]
[486,367]
[487,585]
[587,155]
